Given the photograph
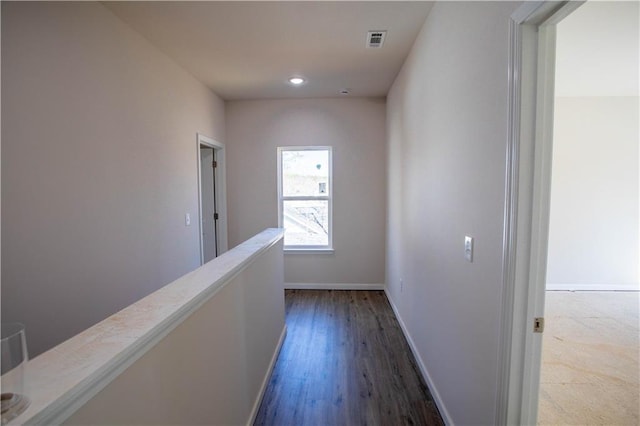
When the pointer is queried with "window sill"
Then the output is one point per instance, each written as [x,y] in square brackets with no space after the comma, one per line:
[308,250]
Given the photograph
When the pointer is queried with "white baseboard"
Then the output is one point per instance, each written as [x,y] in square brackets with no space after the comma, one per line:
[446,417]
[267,376]
[333,286]
[592,287]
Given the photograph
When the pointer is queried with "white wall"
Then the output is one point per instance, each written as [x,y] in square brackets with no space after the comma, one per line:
[593,229]
[189,377]
[99,167]
[447,134]
[594,217]
[356,130]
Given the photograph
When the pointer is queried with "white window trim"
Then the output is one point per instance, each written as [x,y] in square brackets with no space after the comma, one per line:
[309,248]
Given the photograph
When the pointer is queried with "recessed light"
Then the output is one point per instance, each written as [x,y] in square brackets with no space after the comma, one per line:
[345,91]
[296,81]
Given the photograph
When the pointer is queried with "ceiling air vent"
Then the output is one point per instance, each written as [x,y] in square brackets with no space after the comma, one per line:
[375,38]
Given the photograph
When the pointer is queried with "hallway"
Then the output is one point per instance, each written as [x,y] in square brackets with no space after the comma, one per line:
[345,361]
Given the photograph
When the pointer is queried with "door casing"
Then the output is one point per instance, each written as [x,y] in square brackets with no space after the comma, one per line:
[220,192]
[526,215]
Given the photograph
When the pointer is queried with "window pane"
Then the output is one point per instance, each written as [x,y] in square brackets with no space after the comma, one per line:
[306,223]
[305,173]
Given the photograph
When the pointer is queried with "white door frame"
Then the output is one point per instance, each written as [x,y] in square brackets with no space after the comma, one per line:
[526,216]
[220,191]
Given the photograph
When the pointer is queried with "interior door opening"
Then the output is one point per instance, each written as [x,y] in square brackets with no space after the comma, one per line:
[590,344]
[212,198]
[209,214]
[531,121]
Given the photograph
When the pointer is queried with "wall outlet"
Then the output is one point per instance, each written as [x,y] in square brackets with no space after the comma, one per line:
[468,248]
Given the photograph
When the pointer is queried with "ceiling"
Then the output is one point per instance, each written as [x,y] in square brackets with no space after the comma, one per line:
[598,50]
[248,50]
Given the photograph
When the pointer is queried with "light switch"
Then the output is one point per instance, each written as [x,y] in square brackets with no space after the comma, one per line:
[468,248]
[187,219]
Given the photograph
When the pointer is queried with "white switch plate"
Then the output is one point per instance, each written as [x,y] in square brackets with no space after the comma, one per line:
[187,219]
[468,248]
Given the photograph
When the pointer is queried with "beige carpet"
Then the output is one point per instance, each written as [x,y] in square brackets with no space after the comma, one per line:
[590,351]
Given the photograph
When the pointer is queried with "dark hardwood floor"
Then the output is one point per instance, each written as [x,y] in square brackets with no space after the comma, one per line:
[344,361]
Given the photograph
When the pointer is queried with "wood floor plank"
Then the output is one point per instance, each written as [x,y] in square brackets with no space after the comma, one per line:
[345,361]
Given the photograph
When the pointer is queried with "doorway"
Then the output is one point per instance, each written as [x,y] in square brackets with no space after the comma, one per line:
[209,213]
[212,198]
[589,371]
[528,188]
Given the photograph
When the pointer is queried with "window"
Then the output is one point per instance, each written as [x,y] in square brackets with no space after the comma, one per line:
[305,197]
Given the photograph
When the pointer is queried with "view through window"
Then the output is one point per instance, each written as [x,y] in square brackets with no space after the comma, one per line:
[304,196]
